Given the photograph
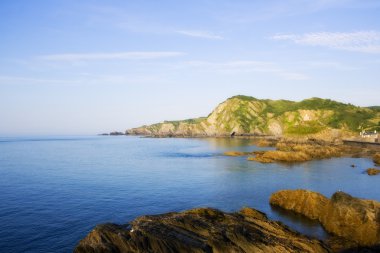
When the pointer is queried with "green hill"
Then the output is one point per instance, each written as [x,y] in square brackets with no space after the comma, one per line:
[248,115]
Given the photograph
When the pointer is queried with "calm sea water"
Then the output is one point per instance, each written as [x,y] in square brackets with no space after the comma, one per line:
[54,190]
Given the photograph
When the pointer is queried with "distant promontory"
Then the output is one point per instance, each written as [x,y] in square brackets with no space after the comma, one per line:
[249,116]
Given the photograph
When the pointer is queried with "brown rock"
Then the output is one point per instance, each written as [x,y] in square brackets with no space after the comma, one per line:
[376,158]
[311,204]
[260,159]
[199,230]
[236,153]
[265,143]
[354,219]
[372,171]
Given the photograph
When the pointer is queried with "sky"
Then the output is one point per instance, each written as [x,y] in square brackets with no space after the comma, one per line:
[88,67]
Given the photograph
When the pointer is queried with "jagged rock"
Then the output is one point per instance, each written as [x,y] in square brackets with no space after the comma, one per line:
[199,230]
[343,215]
[353,218]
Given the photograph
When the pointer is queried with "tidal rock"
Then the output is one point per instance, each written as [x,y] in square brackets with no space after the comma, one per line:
[236,153]
[376,158]
[199,230]
[372,171]
[354,219]
[310,204]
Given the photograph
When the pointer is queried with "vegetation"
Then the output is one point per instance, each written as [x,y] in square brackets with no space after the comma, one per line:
[248,115]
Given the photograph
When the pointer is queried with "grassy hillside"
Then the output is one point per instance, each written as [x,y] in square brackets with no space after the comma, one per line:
[249,115]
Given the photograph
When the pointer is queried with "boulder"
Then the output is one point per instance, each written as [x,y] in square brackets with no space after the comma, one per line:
[308,203]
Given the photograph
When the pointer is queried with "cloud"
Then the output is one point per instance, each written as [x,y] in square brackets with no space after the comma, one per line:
[246,66]
[201,34]
[81,79]
[110,56]
[362,41]
[20,80]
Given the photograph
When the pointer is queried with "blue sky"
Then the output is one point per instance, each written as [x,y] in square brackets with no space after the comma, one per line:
[85,67]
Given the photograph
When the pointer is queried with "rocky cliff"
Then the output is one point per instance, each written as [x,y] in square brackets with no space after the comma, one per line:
[199,230]
[320,118]
[355,219]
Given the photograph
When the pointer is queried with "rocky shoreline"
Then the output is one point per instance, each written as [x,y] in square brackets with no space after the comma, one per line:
[354,224]
[291,151]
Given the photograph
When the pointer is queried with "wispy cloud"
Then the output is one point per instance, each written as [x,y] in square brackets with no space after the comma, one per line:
[246,66]
[201,34]
[5,80]
[362,41]
[81,79]
[110,56]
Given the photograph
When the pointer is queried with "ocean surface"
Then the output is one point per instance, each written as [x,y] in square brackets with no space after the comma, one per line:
[54,190]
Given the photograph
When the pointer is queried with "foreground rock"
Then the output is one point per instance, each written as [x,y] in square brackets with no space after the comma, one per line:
[199,230]
[355,219]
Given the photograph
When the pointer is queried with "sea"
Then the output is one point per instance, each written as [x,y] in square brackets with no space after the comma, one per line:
[55,189]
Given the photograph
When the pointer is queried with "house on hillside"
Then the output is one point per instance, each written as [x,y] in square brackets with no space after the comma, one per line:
[373,135]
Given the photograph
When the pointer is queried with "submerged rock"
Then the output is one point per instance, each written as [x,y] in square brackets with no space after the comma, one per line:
[199,230]
[236,153]
[355,219]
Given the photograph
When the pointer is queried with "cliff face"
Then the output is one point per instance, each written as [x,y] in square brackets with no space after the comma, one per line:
[247,115]
[199,230]
[343,215]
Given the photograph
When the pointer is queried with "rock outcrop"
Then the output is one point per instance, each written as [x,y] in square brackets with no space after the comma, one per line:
[343,215]
[310,204]
[301,152]
[199,230]
[376,158]
[353,218]
[372,171]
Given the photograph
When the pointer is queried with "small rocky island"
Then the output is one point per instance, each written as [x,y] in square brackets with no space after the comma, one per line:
[353,223]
